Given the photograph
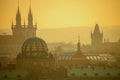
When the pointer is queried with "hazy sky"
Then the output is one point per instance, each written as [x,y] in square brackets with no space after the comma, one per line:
[62,13]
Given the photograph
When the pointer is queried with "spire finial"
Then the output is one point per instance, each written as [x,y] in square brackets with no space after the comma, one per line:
[18,6]
[30,7]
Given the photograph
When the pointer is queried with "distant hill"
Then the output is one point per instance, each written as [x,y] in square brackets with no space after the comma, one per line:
[70,34]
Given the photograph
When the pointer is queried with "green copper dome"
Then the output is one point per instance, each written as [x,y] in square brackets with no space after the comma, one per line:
[35,47]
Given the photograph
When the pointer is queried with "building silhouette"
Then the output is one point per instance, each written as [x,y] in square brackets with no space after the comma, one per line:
[99,53]
[96,36]
[73,59]
[101,45]
[34,62]
[34,54]
[28,30]
[78,45]
[11,44]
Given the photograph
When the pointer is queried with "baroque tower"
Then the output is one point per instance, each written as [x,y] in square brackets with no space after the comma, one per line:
[96,36]
[26,31]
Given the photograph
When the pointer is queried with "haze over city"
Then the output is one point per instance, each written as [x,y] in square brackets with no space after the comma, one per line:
[71,17]
[62,13]
[59,40]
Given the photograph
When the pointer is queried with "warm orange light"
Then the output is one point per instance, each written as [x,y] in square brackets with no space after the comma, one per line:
[62,13]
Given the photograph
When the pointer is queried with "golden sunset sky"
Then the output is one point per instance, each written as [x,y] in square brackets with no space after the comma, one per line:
[62,13]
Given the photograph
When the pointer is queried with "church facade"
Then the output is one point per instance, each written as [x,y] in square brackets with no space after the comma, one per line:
[100,45]
[11,44]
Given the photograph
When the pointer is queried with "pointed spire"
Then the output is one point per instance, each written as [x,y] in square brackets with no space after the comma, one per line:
[78,44]
[30,12]
[30,8]
[97,36]
[96,30]
[18,11]
[30,17]
[18,17]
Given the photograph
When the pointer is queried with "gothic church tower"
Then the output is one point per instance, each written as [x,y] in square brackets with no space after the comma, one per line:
[24,30]
[96,36]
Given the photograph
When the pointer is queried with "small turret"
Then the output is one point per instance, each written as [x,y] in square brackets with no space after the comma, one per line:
[78,45]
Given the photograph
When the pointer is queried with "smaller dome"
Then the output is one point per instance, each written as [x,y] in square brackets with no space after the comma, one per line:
[35,47]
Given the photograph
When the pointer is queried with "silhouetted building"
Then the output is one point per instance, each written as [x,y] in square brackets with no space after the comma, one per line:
[73,59]
[100,52]
[96,36]
[35,55]
[28,30]
[11,44]
[98,46]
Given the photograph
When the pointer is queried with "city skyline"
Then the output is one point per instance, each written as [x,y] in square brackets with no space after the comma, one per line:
[62,13]
[59,40]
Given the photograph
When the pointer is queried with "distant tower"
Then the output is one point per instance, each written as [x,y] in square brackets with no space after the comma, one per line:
[18,18]
[78,45]
[16,29]
[30,19]
[96,36]
[27,31]
[31,27]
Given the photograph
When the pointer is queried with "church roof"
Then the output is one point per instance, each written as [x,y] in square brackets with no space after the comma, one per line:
[10,40]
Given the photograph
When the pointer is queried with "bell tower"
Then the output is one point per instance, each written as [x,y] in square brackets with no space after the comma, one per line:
[31,32]
[18,18]
[26,31]
[16,29]
[96,36]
